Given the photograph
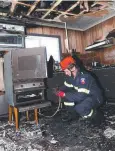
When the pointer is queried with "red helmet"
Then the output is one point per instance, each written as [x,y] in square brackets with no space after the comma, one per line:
[66,62]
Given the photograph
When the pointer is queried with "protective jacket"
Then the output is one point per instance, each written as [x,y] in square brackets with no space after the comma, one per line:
[83,86]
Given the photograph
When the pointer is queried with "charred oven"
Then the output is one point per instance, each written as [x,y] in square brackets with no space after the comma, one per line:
[24,72]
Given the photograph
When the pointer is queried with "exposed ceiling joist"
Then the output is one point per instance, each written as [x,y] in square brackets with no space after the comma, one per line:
[13,6]
[69,9]
[33,7]
[72,7]
[24,4]
[41,10]
[52,8]
[58,11]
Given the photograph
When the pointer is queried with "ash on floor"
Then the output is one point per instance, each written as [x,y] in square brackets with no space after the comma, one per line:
[54,135]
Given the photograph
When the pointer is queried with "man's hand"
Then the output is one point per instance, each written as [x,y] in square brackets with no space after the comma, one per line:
[60,94]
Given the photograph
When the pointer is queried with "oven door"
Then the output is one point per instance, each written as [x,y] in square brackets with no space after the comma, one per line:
[29,97]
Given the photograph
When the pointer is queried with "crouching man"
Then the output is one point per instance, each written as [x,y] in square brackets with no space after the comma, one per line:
[80,92]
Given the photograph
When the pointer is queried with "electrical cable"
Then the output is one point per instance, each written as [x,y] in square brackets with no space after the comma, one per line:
[58,108]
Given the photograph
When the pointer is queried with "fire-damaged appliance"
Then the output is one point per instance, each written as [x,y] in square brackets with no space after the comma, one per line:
[108,41]
[11,36]
[11,40]
[106,79]
[24,72]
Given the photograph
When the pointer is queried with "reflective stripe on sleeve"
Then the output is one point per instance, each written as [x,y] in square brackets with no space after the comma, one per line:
[68,85]
[76,88]
[69,103]
[84,90]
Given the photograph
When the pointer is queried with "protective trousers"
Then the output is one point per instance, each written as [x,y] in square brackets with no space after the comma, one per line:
[83,108]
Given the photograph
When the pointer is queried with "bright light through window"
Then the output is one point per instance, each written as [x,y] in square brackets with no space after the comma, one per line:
[51,44]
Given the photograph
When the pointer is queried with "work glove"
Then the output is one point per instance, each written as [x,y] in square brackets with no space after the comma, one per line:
[60,94]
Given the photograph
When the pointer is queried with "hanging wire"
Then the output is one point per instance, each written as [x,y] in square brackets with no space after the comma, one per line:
[58,108]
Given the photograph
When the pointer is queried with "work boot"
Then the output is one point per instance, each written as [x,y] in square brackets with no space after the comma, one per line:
[97,118]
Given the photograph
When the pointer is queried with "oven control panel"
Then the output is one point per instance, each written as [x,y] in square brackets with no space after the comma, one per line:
[28,85]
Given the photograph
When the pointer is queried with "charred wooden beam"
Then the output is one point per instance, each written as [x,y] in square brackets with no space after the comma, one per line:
[33,7]
[23,4]
[69,9]
[13,6]
[95,14]
[72,7]
[62,12]
[52,8]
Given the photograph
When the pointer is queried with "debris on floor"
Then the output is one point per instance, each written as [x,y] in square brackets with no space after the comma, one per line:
[109,132]
[52,134]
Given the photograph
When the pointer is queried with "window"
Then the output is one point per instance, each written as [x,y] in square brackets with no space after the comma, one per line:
[52,45]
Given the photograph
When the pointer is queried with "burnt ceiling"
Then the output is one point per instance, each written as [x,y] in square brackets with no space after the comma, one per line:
[75,13]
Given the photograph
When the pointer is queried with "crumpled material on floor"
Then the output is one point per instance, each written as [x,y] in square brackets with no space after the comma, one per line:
[52,134]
